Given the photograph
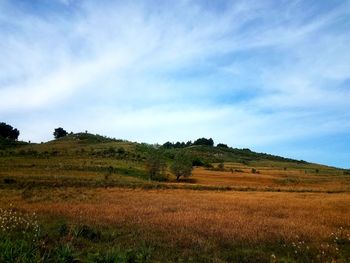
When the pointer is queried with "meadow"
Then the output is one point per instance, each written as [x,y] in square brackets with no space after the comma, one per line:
[90,200]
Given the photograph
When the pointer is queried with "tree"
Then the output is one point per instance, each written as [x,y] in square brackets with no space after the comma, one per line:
[182,165]
[59,132]
[168,145]
[8,132]
[204,141]
[155,165]
[222,145]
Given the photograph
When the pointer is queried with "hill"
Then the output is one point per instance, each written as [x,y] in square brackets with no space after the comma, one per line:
[94,202]
[72,158]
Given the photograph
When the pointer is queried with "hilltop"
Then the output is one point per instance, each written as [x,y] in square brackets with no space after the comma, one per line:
[76,144]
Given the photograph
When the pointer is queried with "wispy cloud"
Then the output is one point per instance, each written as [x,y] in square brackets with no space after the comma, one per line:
[246,73]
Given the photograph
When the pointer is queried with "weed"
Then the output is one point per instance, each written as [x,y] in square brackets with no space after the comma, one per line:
[63,230]
[117,254]
[19,233]
[87,232]
[65,253]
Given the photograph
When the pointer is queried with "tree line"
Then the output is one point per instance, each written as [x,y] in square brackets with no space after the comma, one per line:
[200,141]
[8,132]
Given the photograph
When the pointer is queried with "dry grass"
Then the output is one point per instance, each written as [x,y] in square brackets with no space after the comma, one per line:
[187,218]
[291,179]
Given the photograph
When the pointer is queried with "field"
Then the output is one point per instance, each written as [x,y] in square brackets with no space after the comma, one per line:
[80,201]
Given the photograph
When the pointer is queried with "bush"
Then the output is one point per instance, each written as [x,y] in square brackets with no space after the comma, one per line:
[222,145]
[87,232]
[208,165]
[197,162]
[121,151]
[110,151]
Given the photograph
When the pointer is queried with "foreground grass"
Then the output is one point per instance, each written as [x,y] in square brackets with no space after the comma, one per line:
[183,225]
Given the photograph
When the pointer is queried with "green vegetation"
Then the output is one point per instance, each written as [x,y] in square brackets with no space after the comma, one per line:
[23,240]
[83,168]
[156,165]
[8,132]
[59,132]
[182,165]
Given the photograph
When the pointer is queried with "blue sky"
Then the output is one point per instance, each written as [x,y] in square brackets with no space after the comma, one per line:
[273,76]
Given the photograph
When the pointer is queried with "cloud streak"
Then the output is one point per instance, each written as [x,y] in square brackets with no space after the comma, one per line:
[267,75]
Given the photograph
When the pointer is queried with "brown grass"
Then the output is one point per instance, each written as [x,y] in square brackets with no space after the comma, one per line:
[186,217]
[271,178]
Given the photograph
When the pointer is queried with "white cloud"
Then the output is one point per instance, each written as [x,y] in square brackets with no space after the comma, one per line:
[154,73]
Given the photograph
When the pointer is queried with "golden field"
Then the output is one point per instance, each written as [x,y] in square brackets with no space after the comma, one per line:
[194,217]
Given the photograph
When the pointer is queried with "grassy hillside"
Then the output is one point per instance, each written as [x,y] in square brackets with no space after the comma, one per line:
[93,202]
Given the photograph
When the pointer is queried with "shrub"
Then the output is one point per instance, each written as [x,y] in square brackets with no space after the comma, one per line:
[121,150]
[110,150]
[87,232]
[208,165]
[197,162]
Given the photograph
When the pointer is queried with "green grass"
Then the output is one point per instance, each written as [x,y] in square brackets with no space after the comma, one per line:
[63,241]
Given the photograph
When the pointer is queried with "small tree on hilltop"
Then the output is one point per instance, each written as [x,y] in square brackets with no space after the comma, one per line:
[182,165]
[59,132]
[8,132]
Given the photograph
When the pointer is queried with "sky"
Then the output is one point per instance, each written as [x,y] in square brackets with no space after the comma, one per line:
[272,76]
